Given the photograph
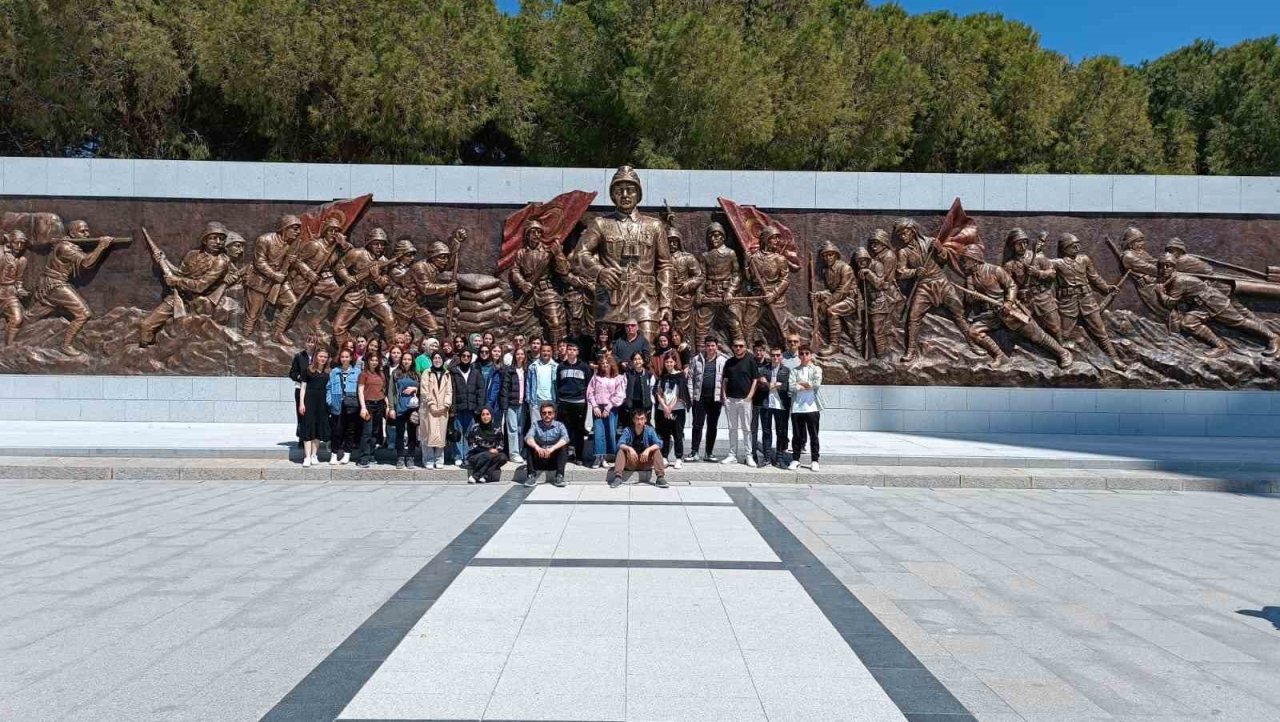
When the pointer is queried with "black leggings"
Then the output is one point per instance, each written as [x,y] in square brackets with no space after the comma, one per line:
[405,427]
[372,430]
[804,425]
[485,465]
[346,431]
[708,412]
[671,430]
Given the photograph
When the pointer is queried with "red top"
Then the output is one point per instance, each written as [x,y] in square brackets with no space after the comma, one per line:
[375,387]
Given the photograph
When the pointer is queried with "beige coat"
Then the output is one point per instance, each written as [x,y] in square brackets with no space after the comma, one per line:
[436,399]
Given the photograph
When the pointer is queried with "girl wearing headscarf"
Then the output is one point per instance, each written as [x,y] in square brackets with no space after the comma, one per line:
[436,393]
[485,457]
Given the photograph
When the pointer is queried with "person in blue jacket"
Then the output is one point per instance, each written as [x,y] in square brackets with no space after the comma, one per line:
[344,408]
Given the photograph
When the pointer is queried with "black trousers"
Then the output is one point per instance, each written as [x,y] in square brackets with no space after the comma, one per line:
[371,431]
[773,421]
[485,465]
[707,412]
[346,431]
[406,428]
[804,425]
[556,461]
[297,399]
[671,430]
[757,449]
[574,416]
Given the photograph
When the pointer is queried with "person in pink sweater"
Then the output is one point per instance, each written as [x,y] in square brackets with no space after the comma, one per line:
[605,392]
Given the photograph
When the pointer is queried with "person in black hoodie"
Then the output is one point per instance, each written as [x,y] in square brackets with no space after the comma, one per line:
[297,373]
[640,385]
[468,398]
[572,376]
[672,403]
[485,460]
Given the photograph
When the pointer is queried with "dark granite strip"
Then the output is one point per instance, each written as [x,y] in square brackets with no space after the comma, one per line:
[626,563]
[326,691]
[912,687]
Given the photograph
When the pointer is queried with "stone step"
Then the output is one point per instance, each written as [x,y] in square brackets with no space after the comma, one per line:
[203,469]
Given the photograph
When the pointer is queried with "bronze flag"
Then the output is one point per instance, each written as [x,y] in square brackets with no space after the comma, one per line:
[558,216]
[748,221]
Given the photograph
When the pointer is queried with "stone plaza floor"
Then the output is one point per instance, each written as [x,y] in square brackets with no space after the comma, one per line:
[224,600]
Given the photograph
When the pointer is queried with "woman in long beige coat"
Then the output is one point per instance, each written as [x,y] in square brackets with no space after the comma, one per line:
[436,394]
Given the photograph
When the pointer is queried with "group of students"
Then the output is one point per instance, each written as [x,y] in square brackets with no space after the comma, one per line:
[479,404]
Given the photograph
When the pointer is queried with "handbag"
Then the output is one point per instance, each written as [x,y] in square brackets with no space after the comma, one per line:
[454,434]
[350,402]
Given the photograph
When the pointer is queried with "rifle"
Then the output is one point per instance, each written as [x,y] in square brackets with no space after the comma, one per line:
[1106,302]
[815,338]
[1013,308]
[459,235]
[364,275]
[93,241]
[302,297]
[864,310]
[157,255]
[273,296]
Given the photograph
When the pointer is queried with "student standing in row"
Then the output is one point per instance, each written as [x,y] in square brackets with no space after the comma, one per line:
[776,412]
[372,391]
[605,394]
[436,394]
[639,390]
[630,344]
[705,376]
[740,378]
[297,374]
[313,406]
[572,377]
[404,383]
[344,405]
[515,413]
[468,398]
[761,354]
[672,397]
[542,380]
[806,408]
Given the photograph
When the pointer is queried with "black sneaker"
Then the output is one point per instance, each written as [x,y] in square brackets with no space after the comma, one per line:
[612,478]
[661,483]
[558,481]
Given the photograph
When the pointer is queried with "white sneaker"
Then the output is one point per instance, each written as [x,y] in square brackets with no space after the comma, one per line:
[794,465]
[437,464]
[346,457]
[306,462]
[676,464]
[314,459]
[334,459]
[457,463]
[730,459]
[518,460]
[751,462]
[813,466]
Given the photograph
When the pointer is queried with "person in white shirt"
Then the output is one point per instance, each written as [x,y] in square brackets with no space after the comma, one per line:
[806,408]
[776,413]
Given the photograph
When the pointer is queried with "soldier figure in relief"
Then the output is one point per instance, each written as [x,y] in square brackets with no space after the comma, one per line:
[1077,304]
[235,275]
[360,272]
[1194,302]
[877,271]
[1141,267]
[533,275]
[311,273]
[1191,263]
[686,279]
[626,253]
[416,280]
[200,272]
[271,260]
[1034,275]
[720,279]
[918,260]
[54,290]
[770,274]
[839,300]
[994,282]
[13,268]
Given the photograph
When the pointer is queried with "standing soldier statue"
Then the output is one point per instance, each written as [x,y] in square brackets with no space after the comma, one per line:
[1077,279]
[1033,273]
[234,276]
[533,274]
[360,272]
[838,300]
[686,279]
[273,254]
[580,302]
[413,281]
[199,273]
[770,273]
[54,290]
[918,260]
[13,267]
[996,298]
[311,273]
[626,253]
[881,297]
[721,277]
[1194,302]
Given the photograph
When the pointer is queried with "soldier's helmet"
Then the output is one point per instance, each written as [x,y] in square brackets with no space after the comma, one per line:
[673,234]
[404,247]
[214,228]
[906,224]
[1175,244]
[879,237]
[376,234]
[861,256]
[333,221]
[1131,235]
[17,238]
[1167,260]
[768,233]
[1014,235]
[234,239]
[828,247]
[973,252]
[714,226]
[626,174]
[1065,241]
[436,249]
[77,225]
[288,220]
[531,224]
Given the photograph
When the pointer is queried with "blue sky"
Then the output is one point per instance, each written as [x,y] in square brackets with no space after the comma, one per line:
[1135,30]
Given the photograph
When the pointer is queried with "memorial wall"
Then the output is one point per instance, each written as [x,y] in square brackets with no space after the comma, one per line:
[948,290]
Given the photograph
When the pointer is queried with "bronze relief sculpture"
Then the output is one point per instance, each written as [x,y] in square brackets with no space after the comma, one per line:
[55,290]
[717,287]
[13,269]
[199,273]
[537,268]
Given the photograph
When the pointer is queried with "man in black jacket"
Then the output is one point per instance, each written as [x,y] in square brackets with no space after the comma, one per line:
[468,398]
[572,376]
[761,353]
[776,409]
[301,361]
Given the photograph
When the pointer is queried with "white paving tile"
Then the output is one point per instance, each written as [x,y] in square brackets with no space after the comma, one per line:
[704,494]
[547,492]
[659,532]
[595,532]
[724,534]
[532,532]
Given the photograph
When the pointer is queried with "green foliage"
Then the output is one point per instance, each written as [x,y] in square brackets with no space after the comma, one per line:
[786,84]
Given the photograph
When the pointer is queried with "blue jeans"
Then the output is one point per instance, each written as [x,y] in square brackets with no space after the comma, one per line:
[605,433]
[516,419]
[463,420]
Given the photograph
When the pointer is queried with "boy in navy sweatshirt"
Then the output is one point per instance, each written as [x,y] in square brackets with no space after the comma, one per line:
[572,377]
